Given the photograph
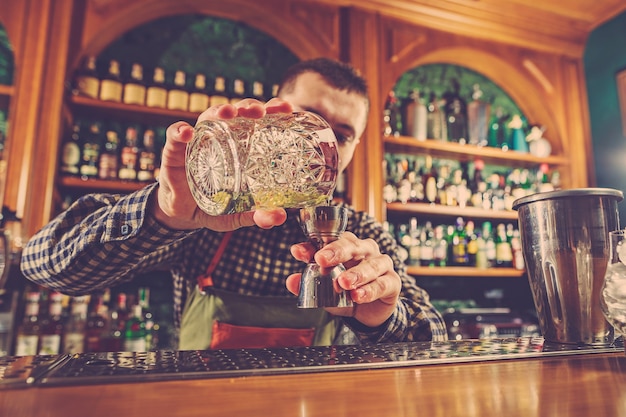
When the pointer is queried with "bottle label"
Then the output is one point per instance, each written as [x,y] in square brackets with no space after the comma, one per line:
[198,102]
[156,97]
[504,252]
[111,90]
[177,100]
[88,86]
[431,190]
[135,345]
[70,158]
[26,345]
[218,100]
[74,343]
[108,167]
[134,94]
[50,344]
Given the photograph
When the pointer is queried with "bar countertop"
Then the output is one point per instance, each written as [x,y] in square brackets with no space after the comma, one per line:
[453,379]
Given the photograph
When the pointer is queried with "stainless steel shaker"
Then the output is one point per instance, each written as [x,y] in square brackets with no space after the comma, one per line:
[565,241]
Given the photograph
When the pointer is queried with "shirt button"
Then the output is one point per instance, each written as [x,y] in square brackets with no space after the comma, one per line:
[125,229]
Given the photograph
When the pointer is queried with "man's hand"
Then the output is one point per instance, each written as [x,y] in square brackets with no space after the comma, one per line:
[174,206]
[370,277]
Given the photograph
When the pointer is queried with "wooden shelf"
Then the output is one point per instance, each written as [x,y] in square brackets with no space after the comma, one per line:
[461,152]
[468,272]
[450,211]
[6,90]
[93,184]
[159,116]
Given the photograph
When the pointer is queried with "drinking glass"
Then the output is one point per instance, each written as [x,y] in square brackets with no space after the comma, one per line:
[613,295]
[281,160]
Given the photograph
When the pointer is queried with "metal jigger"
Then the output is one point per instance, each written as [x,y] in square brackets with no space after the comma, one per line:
[318,287]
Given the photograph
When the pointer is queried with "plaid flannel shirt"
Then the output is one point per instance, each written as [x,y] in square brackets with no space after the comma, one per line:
[104,239]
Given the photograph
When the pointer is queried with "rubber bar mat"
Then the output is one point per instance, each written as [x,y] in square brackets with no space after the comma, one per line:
[116,367]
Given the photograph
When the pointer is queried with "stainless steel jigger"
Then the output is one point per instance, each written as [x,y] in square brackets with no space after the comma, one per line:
[318,287]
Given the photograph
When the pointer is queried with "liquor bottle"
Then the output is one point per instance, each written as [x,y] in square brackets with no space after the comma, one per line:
[415,116]
[27,336]
[427,249]
[111,87]
[156,93]
[52,326]
[90,152]
[135,88]
[74,337]
[96,325]
[87,81]
[518,254]
[238,91]
[413,242]
[392,116]
[199,96]
[218,93]
[404,242]
[71,153]
[430,181]
[178,96]
[109,156]
[129,155]
[490,244]
[440,247]
[504,253]
[147,157]
[497,131]
[456,115]
[472,243]
[258,91]
[460,256]
[148,318]
[436,127]
[478,118]
[481,252]
[518,138]
[135,332]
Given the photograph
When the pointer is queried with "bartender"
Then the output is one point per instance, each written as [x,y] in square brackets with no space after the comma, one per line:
[235,275]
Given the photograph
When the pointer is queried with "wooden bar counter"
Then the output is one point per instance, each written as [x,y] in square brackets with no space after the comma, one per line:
[577,384]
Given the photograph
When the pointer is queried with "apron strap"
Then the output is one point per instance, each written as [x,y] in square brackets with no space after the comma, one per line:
[206,280]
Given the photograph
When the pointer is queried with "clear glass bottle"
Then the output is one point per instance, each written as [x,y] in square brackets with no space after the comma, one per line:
[280,160]
[416,116]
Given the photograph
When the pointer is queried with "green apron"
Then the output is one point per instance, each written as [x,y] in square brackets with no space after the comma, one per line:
[203,311]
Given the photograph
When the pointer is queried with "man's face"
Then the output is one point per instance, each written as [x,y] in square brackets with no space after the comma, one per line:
[345,112]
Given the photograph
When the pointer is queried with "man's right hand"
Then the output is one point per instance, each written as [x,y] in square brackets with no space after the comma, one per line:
[175,207]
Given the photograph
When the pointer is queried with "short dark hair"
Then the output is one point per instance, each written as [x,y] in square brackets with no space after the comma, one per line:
[336,73]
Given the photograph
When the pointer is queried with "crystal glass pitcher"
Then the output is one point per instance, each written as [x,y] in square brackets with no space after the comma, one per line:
[281,160]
